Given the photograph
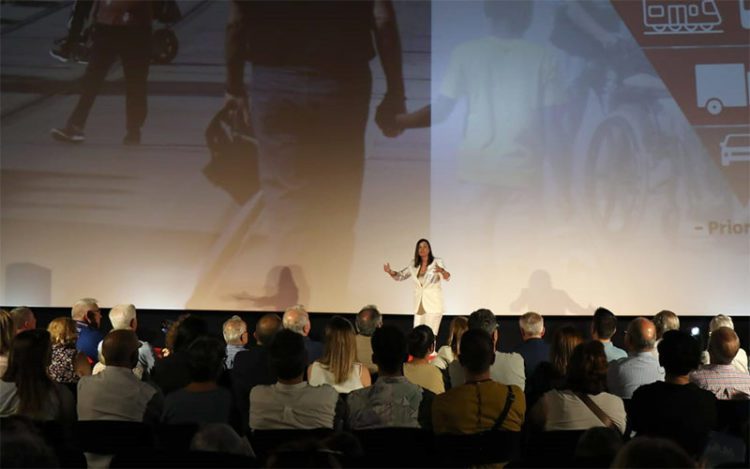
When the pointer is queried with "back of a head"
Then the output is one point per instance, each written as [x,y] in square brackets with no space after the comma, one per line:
[587,370]
[7,331]
[368,320]
[421,339]
[641,335]
[514,15]
[604,323]
[459,325]
[597,447]
[187,331]
[28,361]
[120,348]
[205,359]
[389,348]
[288,354]
[122,316]
[233,329]
[296,319]
[267,327]
[63,331]
[23,445]
[220,438]
[720,320]
[532,324]
[664,321]
[477,352]
[21,316]
[339,349]
[82,307]
[650,452]
[679,353]
[723,346]
[483,319]
[564,341]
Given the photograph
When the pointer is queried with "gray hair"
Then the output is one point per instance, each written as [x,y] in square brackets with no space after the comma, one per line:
[296,319]
[531,323]
[483,319]
[121,316]
[233,329]
[720,320]
[368,319]
[21,316]
[81,307]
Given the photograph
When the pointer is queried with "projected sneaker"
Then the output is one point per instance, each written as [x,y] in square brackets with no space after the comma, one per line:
[61,50]
[69,134]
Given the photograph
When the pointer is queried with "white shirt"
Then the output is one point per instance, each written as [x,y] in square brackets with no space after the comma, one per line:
[292,406]
[427,289]
[565,411]
[507,369]
[320,375]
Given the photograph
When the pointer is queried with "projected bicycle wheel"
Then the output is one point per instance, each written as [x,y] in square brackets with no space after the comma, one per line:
[615,178]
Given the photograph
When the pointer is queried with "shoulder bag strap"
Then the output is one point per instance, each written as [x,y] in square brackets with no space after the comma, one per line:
[600,414]
[510,398]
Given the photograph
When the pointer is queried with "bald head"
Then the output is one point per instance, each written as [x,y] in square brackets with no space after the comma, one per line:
[266,328]
[723,346]
[296,319]
[641,335]
[120,348]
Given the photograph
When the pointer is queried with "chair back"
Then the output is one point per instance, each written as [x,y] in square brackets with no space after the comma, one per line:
[111,436]
[402,447]
[489,447]
[264,442]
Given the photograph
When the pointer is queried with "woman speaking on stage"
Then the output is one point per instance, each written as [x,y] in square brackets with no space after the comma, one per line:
[427,271]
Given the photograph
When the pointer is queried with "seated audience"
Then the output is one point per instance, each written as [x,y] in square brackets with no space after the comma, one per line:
[252,366]
[583,402]
[171,373]
[116,393]
[67,365]
[337,366]
[420,371]
[123,317]
[23,319]
[88,318]
[642,366]
[720,377]
[479,403]
[368,320]
[597,447]
[291,402]
[665,321]
[392,401]
[26,388]
[534,349]
[449,352]
[551,375]
[7,332]
[507,368]
[297,320]
[675,408]
[202,400]
[603,328]
[740,360]
[236,337]
[652,452]
[220,438]
[23,445]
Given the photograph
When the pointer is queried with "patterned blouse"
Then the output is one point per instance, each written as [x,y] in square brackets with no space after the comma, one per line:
[62,368]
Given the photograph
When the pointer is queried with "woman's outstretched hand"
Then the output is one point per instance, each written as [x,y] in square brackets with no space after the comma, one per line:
[387,269]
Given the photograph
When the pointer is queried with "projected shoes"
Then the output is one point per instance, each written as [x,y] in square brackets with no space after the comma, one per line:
[69,134]
[133,137]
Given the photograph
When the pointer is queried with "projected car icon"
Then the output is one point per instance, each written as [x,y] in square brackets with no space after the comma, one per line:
[735,148]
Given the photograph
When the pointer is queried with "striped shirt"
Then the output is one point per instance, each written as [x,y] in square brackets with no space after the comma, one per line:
[722,380]
[626,375]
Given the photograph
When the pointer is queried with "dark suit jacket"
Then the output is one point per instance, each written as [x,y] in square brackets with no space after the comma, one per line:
[314,350]
[534,352]
[251,368]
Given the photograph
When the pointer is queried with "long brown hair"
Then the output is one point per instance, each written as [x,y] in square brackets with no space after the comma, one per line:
[565,339]
[340,349]
[417,259]
[29,359]
[587,369]
[7,331]
[459,325]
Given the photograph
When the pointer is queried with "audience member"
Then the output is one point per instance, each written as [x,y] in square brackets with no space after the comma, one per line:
[297,320]
[252,366]
[583,403]
[534,349]
[368,320]
[337,366]
[236,337]
[7,331]
[220,438]
[88,318]
[171,373]
[23,319]
[652,452]
[603,328]
[506,368]
[123,317]
[291,402]
[597,447]
[23,445]
[551,374]
[479,403]
[116,393]
[392,401]
[202,400]
[420,371]
[26,388]
[642,366]
[449,352]
[664,321]
[675,408]
[740,360]
[720,377]
[67,365]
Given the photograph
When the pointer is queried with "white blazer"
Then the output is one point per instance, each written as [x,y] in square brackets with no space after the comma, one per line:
[428,291]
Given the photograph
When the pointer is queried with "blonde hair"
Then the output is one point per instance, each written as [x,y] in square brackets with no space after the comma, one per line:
[233,329]
[340,349]
[7,331]
[665,321]
[62,331]
[720,320]
[459,325]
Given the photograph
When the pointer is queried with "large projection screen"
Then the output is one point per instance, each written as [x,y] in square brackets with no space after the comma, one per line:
[577,154]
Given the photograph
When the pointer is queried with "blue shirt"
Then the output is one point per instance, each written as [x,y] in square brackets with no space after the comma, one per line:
[88,340]
[534,351]
[626,375]
[613,353]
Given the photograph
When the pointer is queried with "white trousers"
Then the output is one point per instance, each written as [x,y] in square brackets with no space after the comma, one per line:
[430,319]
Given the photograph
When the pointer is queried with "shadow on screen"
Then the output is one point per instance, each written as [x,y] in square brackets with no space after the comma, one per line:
[281,289]
[540,296]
